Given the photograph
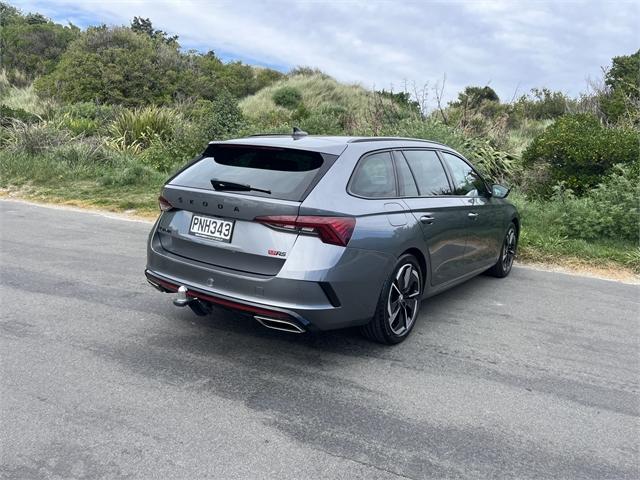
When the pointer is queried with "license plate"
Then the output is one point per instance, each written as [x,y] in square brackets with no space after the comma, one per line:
[213,228]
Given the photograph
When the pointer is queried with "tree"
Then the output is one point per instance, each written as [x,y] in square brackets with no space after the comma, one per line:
[8,14]
[117,66]
[266,77]
[402,100]
[623,83]
[542,104]
[145,27]
[473,97]
[624,74]
[32,44]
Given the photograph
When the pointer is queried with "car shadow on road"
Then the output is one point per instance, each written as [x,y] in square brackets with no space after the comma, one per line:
[243,330]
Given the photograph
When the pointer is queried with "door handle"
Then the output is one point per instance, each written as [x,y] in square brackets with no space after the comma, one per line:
[472,215]
[428,219]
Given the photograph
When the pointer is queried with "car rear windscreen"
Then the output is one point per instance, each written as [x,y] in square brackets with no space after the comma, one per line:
[286,172]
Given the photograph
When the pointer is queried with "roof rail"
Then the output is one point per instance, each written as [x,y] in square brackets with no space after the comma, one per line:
[388,139]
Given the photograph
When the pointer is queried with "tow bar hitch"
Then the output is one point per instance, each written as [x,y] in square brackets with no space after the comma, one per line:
[181,299]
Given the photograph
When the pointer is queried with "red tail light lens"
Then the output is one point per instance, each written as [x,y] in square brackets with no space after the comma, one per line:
[333,230]
[164,204]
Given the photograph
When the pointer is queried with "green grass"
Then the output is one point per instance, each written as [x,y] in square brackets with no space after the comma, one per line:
[118,185]
[24,98]
[320,96]
[543,240]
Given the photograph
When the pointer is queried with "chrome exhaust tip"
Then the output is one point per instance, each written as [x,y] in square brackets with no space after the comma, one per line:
[156,286]
[181,299]
[277,324]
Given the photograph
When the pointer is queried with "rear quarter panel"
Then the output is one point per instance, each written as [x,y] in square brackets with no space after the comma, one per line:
[383,225]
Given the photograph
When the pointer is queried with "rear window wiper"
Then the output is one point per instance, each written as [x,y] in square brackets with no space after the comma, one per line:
[238,187]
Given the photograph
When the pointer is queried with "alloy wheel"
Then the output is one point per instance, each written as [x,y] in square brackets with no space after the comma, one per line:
[404,298]
[509,249]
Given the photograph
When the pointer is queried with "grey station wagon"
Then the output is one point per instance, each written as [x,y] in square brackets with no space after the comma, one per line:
[312,233]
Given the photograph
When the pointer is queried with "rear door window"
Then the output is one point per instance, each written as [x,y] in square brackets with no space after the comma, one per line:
[466,181]
[374,177]
[287,173]
[428,172]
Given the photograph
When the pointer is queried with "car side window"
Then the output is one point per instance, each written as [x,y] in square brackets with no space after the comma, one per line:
[428,172]
[406,182]
[465,179]
[374,177]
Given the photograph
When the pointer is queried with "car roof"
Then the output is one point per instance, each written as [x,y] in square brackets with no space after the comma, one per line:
[329,144]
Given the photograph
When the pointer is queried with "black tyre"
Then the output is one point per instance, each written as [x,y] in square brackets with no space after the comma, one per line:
[507,254]
[398,305]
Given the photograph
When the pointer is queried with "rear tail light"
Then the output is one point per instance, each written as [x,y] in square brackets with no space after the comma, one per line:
[333,230]
[164,204]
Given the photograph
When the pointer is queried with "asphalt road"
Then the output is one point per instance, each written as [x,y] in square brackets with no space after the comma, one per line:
[535,376]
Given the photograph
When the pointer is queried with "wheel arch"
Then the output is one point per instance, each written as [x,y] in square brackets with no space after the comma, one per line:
[516,222]
[422,261]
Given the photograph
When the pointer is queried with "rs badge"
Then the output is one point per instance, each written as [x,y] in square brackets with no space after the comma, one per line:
[276,253]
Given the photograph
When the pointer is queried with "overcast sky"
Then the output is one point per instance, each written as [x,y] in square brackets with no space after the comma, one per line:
[507,45]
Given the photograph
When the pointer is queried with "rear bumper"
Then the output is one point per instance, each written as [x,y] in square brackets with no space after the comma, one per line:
[342,296]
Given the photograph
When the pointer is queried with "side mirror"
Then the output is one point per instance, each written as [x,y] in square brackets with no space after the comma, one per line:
[499,191]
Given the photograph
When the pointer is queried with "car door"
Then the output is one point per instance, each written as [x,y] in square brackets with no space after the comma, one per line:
[426,191]
[484,214]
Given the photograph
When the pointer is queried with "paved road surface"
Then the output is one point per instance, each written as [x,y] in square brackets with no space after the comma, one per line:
[101,377]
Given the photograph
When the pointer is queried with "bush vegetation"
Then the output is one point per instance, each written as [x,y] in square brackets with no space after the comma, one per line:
[578,151]
[109,112]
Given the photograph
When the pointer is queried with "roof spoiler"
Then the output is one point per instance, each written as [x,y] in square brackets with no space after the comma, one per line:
[297,134]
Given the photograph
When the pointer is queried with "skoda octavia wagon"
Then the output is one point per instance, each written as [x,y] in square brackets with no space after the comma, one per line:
[309,233]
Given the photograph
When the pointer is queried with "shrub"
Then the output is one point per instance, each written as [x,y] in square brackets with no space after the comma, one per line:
[86,151]
[579,151]
[13,78]
[89,110]
[497,165]
[473,97]
[541,104]
[217,119]
[115,66]
[207,120]
[32,43]
[79,126]
[326,120]
[8,115]
[135,129]
[266,77]
[306,71]
[611,210]
[163,156]
[287,97]
[34,138]
[130,174]
[429,129]
[317,92]
[86,118]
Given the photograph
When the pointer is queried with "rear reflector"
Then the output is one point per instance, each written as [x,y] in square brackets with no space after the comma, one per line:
[164,204]
[333,230]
